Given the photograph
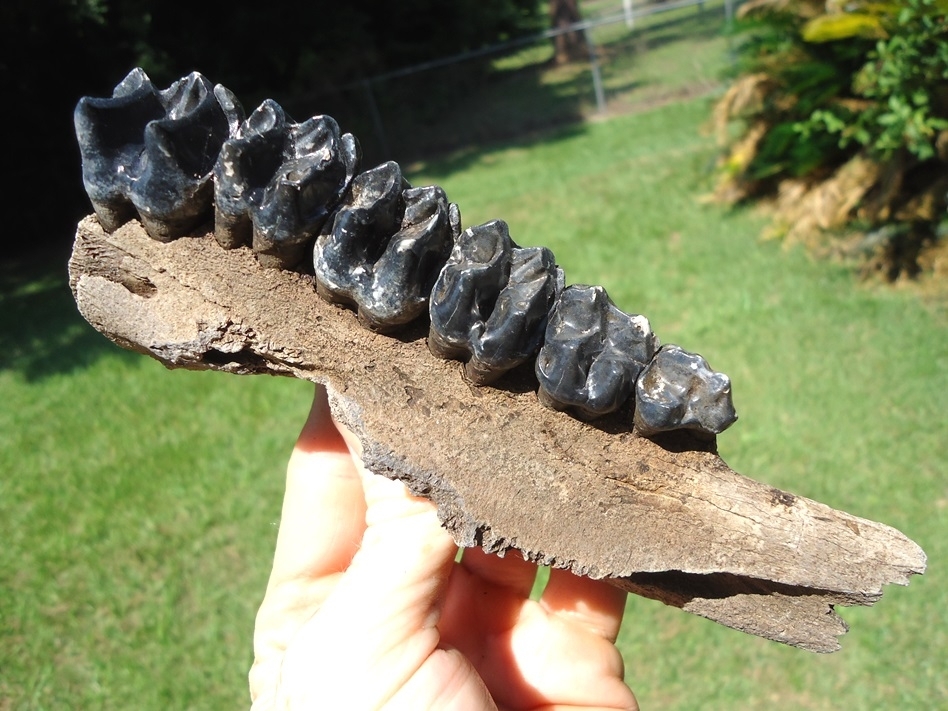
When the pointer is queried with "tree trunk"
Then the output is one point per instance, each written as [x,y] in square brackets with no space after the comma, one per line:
[569,46]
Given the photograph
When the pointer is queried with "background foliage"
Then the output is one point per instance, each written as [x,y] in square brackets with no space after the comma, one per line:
[844,110]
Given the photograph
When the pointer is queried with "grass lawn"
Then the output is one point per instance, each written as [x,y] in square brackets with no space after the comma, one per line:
[667,56]
[139,506]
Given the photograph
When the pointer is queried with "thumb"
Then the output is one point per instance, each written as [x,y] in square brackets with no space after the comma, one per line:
[379,625]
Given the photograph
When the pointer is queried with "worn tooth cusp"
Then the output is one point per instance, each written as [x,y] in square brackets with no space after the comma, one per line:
[491,302]
[592,354]
[679,390]
[276,183]
[152,153]
[384,247]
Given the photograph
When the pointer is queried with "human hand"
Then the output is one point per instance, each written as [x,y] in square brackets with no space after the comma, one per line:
[366,608]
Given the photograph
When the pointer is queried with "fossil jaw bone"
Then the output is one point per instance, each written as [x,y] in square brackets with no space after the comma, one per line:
[383,247]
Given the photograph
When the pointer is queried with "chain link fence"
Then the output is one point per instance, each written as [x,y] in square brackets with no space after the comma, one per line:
[640,53]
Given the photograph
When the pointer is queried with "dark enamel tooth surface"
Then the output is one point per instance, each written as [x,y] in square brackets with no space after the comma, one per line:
[384,247]
[110,132]
[276,183]
[151,153]
[592,354]
[491,302]
[678,390]
[387,249]
[244,169]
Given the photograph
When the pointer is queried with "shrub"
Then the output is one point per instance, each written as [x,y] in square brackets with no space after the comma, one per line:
[843,113]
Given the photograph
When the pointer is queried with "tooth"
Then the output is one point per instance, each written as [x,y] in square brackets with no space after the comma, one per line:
[592,353]
[111,134]
[387,249]
[277,182]
[491,302]
[175,190]
[678,390]
[151,152]
[384,248]
[244,168]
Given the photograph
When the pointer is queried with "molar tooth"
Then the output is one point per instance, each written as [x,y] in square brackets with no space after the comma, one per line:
[491,302]
[277,182]
[384,247]
[152,152]
[247,163]
[405,274]
[110,132]
[678,390]
[592,353]
[175,190]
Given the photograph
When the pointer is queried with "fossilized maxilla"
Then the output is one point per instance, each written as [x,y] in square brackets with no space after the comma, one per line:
[174,157]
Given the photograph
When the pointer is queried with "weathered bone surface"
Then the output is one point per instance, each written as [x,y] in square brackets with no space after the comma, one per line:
[592,354]
[277,182]
[384,247]
[678,390]
[664,518]
[491,302]
[151,153]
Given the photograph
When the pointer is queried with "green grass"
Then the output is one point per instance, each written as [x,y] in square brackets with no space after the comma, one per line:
[138,506]
[666,56]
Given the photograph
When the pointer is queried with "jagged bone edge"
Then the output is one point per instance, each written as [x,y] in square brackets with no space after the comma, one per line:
[178,156]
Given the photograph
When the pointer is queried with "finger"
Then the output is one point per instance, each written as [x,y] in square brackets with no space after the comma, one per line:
[511,572]
[594,605]
[379,626]
[321,525]
[324,507]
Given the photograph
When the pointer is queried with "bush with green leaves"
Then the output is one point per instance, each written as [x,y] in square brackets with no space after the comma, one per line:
[823,84]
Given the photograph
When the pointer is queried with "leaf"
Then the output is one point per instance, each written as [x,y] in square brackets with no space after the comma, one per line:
[830,28]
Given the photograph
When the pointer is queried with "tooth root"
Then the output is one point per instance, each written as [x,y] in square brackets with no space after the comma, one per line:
[491,302]
[678,390]
[592,353]
[151,152]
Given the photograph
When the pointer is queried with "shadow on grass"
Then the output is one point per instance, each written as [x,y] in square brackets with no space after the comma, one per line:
[41,330]
[660,32]
[462,159]
[466,111]
[458,108]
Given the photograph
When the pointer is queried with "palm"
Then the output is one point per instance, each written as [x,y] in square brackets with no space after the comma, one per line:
[366,608]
